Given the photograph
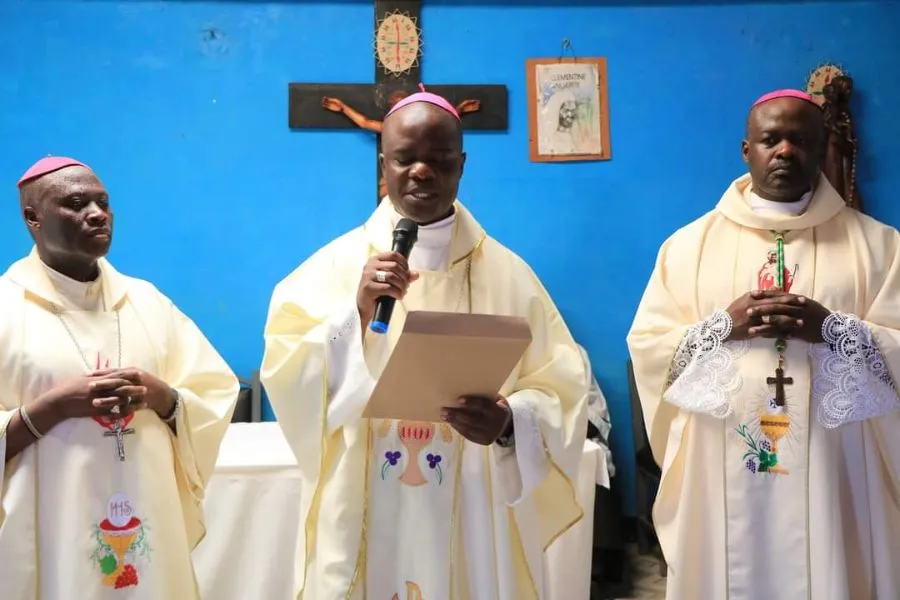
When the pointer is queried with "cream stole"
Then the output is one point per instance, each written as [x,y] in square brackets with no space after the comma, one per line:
[413,478]
[413,468]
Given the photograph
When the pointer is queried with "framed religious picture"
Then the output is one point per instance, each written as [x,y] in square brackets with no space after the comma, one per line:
[568,109]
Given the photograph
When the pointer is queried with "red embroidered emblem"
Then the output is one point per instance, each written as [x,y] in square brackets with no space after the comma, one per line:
[767,279]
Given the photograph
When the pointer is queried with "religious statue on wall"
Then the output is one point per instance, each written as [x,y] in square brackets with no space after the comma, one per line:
[833,89]
[840,160]
[374,125]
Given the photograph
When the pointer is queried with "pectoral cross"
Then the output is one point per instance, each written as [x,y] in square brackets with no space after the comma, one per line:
[118,431]
[779,382]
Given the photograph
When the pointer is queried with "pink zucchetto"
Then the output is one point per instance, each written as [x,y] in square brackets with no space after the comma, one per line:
[48,165]
[787,93]
[428,97]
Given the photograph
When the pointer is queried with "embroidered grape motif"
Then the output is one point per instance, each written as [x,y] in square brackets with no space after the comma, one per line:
[128,577]
[434,462]
[391,457]
[759,457]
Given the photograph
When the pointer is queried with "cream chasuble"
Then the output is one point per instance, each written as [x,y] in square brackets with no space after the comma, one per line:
[761,500]
[409,510]
[78,522]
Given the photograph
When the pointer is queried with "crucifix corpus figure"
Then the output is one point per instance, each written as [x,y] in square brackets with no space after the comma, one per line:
[119,431]
[337,105]
[398,43]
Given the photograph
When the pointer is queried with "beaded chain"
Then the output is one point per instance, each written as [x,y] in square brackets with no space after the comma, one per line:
[780,343]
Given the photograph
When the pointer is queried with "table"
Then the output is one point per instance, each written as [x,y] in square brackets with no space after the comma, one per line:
[252,521]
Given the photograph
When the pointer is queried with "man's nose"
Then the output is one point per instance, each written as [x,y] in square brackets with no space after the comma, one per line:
[421,171]
[97,215]
[786,149]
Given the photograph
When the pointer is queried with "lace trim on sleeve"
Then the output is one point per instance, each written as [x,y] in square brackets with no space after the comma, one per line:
[346,327]
[851,381]
[704,371]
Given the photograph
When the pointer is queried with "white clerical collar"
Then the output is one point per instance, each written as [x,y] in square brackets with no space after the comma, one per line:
[437,235]
[759,204]
[434,235]
[432,249]
[83,295]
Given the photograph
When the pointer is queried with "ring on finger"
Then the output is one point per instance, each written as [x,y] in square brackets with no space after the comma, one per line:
[766,319]
[115,409]
[381,276]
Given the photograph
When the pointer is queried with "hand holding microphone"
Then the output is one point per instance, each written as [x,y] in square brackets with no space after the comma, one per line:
[386,278]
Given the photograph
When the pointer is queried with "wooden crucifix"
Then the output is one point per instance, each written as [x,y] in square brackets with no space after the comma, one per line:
[398,44]
[779,381]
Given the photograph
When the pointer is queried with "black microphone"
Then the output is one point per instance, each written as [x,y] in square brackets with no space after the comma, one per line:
[405,235]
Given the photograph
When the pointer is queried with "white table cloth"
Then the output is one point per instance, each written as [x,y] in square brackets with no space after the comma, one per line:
[252,521]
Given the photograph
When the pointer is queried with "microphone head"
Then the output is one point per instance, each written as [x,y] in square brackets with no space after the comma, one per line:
[405,234]
[406,228]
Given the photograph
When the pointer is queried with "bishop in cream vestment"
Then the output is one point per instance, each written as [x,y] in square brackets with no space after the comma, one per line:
[385,503]
[77,522]
[462,509]
[760,500]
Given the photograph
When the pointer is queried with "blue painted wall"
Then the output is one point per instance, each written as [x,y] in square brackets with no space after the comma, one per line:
[181,107]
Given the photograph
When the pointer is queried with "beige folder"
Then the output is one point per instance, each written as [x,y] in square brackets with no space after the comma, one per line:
[441,357]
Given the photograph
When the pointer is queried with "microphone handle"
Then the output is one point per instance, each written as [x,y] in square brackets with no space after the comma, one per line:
[382,317]
[385,305]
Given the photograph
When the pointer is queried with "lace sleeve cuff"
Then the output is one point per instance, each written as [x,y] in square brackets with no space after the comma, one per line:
[851,381]
[704,371]
[522,468]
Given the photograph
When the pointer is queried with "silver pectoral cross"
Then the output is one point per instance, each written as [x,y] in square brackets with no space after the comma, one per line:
[119,431]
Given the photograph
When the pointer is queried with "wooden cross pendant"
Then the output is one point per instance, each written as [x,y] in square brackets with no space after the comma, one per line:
[118,431]
[779,381]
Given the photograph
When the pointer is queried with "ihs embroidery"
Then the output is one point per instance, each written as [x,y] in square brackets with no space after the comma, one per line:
[120,540]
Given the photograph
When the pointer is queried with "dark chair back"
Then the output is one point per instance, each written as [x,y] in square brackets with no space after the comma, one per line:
[647,475]
[249,403]
[638,427]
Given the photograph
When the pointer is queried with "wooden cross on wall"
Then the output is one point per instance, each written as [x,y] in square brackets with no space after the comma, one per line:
[398,43]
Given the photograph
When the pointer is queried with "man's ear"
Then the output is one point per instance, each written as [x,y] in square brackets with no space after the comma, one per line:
[30,215]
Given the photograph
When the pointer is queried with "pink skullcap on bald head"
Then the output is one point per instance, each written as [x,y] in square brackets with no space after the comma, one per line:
[787,93]
[48,165]
[428,97]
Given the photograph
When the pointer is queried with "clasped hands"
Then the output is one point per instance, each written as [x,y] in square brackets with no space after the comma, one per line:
[777,314]
[111,392]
